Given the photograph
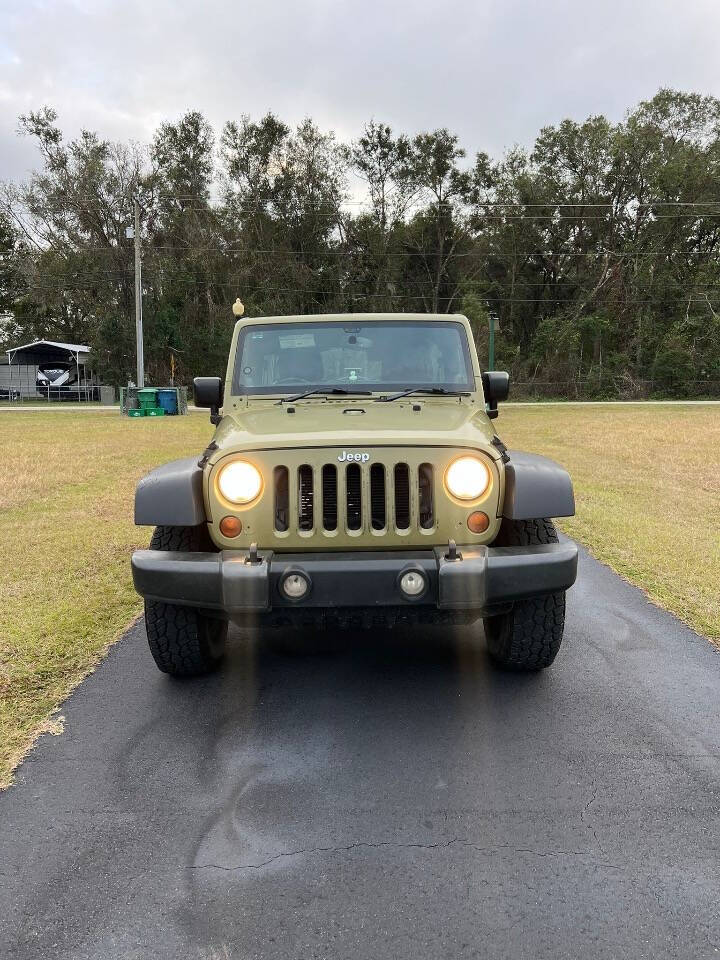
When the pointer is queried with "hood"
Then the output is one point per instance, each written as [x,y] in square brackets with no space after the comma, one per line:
[345,423]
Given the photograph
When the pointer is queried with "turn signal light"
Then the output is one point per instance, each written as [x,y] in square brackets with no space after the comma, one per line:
[478,522]
[230,526]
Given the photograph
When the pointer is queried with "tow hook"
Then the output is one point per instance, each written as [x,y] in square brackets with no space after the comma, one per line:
[452,553]
[252,556]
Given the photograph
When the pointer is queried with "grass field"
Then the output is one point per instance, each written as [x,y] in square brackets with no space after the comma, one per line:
[647,489]
[647,483]
[66,536]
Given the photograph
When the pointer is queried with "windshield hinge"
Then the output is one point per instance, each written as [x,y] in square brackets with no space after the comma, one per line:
[206,453]
[497,442]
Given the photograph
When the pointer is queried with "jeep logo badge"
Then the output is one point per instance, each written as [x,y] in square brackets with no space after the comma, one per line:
[359,457]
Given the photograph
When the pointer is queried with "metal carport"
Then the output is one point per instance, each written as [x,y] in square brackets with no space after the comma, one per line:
[27,358]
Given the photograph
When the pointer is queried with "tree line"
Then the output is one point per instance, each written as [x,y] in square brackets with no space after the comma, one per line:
[596,250]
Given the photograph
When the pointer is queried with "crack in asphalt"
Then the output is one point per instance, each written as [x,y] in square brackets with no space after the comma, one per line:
[393,843]
[590,826]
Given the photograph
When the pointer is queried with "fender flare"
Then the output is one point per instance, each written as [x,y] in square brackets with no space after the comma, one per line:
[536,487]
[171,495]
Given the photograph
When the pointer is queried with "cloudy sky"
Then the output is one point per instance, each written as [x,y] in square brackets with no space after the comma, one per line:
[492,70]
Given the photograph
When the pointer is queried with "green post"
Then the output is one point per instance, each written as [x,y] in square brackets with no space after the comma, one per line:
[491,342]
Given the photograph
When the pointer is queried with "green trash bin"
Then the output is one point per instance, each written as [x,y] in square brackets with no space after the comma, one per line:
[147,398]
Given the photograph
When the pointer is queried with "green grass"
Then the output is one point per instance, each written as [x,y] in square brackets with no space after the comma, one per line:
[66,535]
[647,488]
[52,406]
[647,482]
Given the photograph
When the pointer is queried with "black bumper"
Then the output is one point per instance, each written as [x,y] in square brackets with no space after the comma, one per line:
[481,579]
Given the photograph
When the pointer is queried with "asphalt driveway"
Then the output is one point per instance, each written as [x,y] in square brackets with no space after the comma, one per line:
[401,799]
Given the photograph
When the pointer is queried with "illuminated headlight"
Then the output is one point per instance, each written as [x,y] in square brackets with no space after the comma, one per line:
[467,478]
[239,482]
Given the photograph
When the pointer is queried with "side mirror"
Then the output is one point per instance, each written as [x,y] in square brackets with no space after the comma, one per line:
[496,387]
[209,393]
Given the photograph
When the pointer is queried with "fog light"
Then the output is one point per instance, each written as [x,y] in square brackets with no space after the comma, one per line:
[230,526]
[294,586]
[478,522]
[412,583]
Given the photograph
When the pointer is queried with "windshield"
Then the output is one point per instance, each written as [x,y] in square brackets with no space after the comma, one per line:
[292,357]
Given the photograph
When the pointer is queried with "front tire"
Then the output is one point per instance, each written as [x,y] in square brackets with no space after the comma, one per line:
[183,641]
[527,638]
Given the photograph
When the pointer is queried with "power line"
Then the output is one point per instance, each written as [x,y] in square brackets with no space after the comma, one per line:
[91,279]
[362,253]
[476,212]
[273,212]
[342,292]
[519,204]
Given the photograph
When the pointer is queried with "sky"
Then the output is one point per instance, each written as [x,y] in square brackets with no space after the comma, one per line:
[493,71]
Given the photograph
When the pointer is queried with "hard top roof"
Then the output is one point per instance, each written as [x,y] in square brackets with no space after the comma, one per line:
[355,317]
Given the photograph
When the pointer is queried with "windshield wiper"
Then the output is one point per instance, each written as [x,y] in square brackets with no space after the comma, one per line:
[336,391]
[435,391]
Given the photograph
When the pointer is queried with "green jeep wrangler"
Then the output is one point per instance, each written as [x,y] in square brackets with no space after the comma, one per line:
[354,480]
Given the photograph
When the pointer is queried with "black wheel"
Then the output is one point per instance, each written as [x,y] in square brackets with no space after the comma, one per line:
[529,636]
[183,641]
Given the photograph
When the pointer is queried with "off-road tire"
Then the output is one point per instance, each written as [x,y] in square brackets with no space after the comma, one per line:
[183,641]
[529,636]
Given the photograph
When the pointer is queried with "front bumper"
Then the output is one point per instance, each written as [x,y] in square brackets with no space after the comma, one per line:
[481,579]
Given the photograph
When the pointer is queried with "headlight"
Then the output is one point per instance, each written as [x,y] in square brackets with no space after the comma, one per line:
[239,481]
[467,478]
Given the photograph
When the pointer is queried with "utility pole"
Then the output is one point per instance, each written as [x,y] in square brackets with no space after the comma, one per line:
[492,322]
[138,299]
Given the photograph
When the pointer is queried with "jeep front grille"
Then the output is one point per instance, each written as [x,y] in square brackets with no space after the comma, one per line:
[377,497]
[329,497]
[425,483]
[282,498]
[353,498]
[378,509]
[305,498]
[402,496]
